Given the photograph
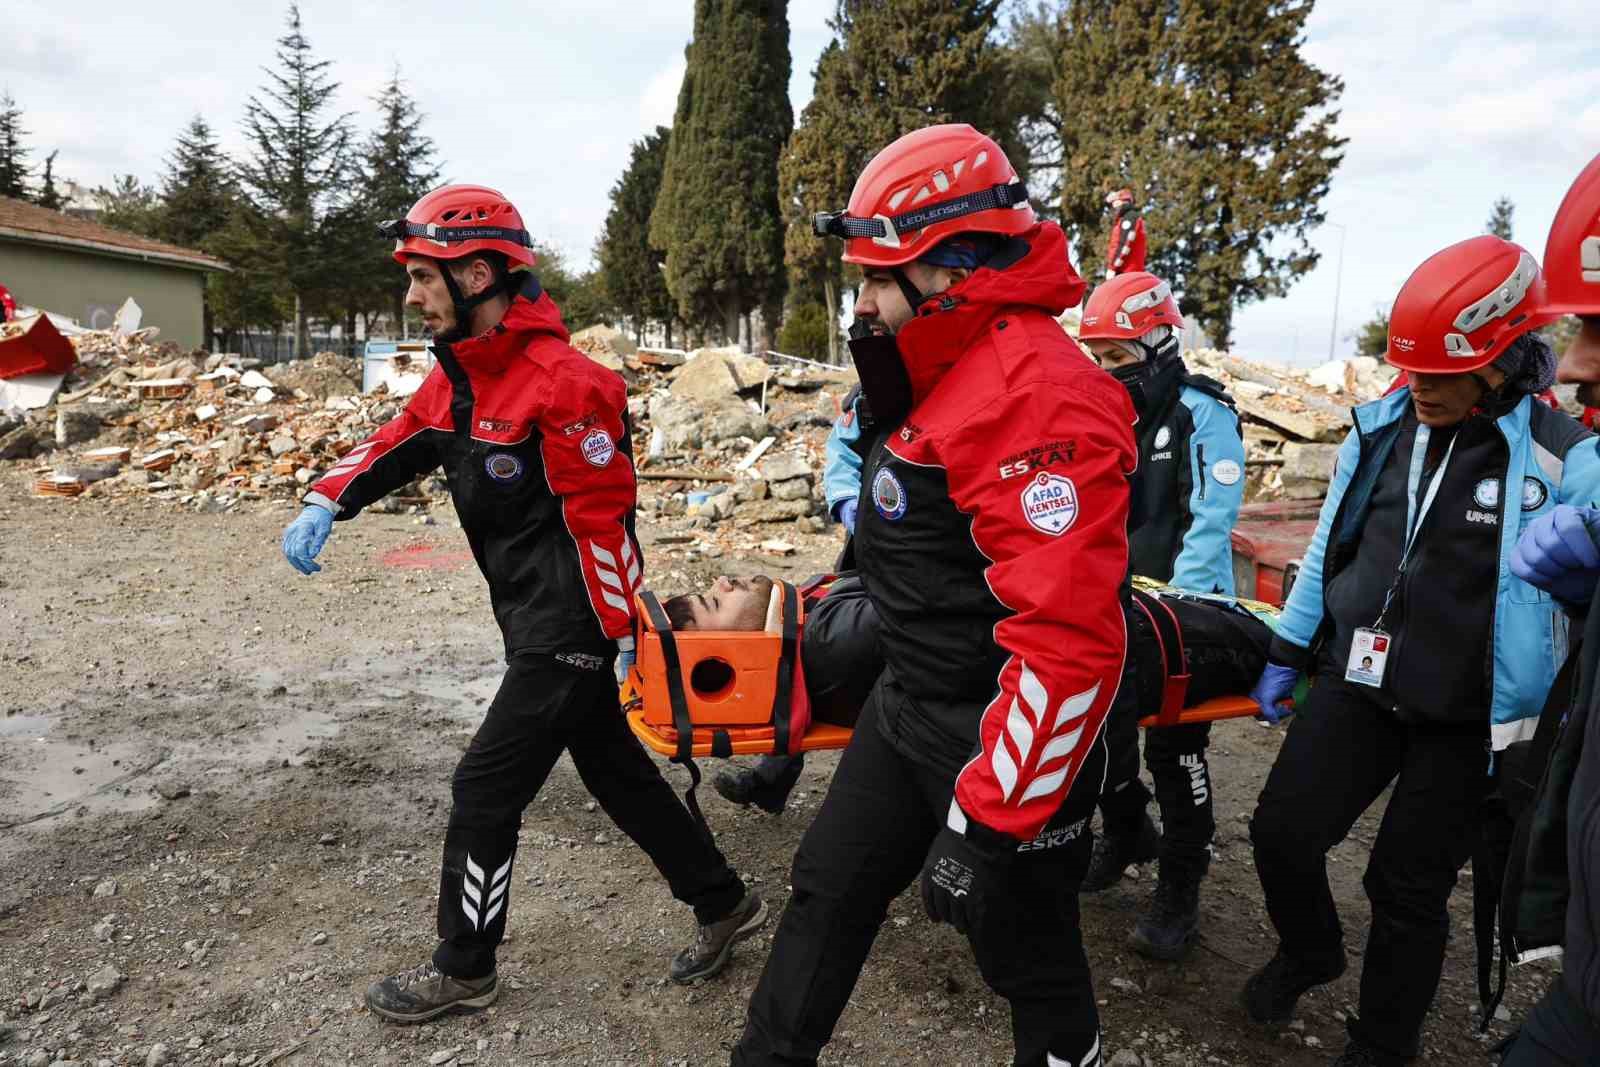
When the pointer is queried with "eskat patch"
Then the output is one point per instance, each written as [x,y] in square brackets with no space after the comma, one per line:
[503,466]
[1050,504]
[888,495]
[598,449]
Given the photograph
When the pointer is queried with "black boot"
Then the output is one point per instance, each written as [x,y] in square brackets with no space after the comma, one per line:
[1114,852]
[1168,927]
[1269,995]
[767,785]
[1358,1053]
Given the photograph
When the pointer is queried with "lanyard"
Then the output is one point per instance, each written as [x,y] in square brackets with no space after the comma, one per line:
[1416,513]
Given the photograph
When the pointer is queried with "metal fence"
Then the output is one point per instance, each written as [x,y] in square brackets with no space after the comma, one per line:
[279,347]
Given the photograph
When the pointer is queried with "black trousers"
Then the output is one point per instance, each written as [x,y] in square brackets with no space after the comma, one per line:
[1558,1033]
[1176,758]
[542,709]
[867,844]
[1341,751]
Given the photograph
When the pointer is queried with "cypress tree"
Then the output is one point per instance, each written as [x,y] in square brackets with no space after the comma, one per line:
[630,266]
[717,217]
[13,156]
[895,66]
[299,165]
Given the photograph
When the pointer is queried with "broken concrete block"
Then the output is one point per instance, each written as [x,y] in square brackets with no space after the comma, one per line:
[279,446]
[1307,469]
[781,468]
[792,489]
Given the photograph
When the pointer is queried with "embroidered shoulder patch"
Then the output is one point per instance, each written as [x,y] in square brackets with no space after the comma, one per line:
[1050,504]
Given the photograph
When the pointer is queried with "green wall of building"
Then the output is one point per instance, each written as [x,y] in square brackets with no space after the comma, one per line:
[90,287]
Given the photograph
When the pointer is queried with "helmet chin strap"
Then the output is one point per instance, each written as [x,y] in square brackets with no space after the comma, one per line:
[914,296]
[463,304]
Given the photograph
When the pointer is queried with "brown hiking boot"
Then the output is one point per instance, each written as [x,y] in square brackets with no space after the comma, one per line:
[422,993]
[713,943]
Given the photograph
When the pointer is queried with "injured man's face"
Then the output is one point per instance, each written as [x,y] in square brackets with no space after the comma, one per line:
[730,604]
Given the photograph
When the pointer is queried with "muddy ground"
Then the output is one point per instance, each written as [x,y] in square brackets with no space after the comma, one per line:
[223,788]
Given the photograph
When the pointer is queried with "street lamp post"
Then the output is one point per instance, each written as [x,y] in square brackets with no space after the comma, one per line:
[1338,279]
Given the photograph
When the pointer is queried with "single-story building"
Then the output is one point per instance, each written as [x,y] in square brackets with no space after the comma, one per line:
[75,267]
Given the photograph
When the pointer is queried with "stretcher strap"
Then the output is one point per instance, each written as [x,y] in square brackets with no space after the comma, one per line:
[721,745]
[783,696]
[1174,660]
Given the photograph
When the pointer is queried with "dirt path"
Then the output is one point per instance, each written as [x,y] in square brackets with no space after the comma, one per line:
[223,789]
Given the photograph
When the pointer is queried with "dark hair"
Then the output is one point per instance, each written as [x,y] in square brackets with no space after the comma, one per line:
[680,611]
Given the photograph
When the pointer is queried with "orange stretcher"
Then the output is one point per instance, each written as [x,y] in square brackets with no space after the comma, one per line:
[742,693]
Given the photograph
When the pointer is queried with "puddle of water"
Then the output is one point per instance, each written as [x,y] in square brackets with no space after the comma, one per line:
[291,737]
[466,700]
[40,772]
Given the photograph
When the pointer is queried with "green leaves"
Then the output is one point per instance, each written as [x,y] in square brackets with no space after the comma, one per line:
[1210,113]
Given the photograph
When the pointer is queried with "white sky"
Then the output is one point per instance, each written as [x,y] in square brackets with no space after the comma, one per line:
[1448,104]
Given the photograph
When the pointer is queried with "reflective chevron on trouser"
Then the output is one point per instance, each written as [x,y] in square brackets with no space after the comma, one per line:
[482,901]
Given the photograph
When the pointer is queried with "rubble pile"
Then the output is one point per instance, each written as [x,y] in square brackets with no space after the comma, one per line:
[1293,419]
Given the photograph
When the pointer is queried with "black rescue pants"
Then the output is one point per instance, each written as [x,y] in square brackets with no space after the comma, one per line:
[1341,751]
[1176,758]
[542,709]
[867,844]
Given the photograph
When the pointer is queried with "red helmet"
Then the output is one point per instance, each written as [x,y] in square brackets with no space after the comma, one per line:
[458,220]
[1572,254]
[1127,307]
[1119,198]
[1461,309]
[929,185]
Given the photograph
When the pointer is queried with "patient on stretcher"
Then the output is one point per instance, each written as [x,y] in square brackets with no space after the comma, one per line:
[1216,647]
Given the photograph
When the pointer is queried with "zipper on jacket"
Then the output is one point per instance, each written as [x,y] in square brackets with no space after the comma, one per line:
[1200,455]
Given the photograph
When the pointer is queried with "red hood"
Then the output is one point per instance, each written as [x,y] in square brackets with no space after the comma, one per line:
[948,324]
[531,312]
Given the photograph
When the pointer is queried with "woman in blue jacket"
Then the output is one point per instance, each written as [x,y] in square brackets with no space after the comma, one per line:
[1429,654]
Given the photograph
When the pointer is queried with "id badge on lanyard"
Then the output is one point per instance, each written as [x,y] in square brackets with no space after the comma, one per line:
[1370,645]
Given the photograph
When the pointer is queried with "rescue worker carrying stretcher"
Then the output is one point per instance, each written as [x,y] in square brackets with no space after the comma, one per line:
[1186,499]
[534,441]
[1409,568]
[1557,872]
[991,540]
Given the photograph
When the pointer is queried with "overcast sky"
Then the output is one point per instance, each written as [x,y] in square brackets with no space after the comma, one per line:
[1448,104]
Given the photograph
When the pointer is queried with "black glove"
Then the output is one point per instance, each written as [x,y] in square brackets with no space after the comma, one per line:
[963,872]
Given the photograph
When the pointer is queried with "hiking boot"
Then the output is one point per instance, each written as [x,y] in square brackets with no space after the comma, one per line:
[1269,995]
[745,786]
[1114,853]
[422,993]
[1167,929]
[1357,1053]
[713,943]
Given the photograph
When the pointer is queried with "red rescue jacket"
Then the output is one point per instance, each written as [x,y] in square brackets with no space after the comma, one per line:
[534,440]
[996,542]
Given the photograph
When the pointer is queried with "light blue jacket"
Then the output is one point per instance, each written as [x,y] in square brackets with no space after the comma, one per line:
[1216,474]
[1530,629]
[841,471]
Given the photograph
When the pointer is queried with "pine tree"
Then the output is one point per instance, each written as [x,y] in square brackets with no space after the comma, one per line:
[1219,124]
[630,266]
[129,204]
[1499,222]
[300,164]
[49,195]
[399,165]
[717,216]
[1372,338]
[13,156]
[254,293]
[198,197]
[894,67]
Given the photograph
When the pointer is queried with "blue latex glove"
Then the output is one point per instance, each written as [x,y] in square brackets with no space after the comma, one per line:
[1275,685]
[627,656]
[846,512]
[1557,553]
[305,536]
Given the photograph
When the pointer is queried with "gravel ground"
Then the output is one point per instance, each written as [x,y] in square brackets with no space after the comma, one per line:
[223,788]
